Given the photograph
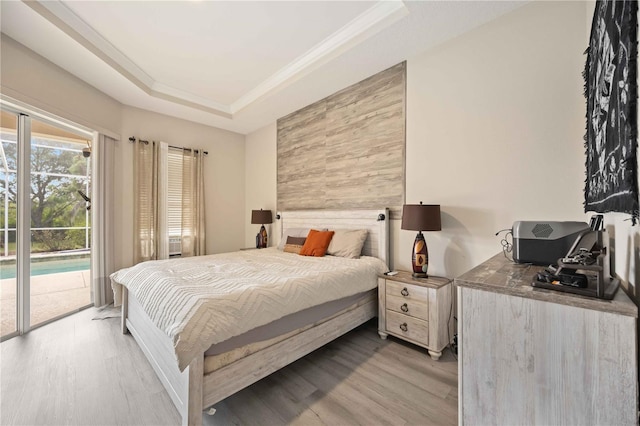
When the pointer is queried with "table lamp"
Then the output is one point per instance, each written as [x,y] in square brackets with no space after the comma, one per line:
[261,217]
[420,217]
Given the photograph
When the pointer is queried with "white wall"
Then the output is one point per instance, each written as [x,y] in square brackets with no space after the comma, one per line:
[32,79]
[260,183]
[495,124]
[224,177]
[495,120]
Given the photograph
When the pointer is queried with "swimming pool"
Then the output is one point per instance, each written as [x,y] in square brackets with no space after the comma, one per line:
[44,267]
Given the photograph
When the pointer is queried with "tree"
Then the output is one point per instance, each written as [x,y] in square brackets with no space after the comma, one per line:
[54,199]
[56,176]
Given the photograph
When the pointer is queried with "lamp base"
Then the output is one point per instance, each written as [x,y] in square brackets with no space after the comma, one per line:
[420,257]
[263,237]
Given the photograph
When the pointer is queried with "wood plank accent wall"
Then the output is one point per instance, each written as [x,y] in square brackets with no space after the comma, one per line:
[346,151]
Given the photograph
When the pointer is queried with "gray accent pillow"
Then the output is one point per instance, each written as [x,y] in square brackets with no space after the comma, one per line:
[347,243]
[292,232]
[294,244]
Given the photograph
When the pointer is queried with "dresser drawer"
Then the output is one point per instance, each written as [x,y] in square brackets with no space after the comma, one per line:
[408,327]
[418,308]
[407,291]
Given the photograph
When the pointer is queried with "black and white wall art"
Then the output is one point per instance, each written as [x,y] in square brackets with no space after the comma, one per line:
[611,92]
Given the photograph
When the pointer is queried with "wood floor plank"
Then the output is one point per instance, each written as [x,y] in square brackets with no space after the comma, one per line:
[251,409]
[445,369]
[400,370]
[377,378]
[409,406]
[332,381]
[290,408]
[295,384]
[79,371]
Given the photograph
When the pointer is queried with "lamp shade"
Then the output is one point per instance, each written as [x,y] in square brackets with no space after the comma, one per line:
[421,217]
[260,217]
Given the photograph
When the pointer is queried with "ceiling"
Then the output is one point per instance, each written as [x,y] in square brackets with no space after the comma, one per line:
[236,65]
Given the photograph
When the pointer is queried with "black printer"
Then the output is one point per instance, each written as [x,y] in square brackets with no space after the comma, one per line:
[543,243]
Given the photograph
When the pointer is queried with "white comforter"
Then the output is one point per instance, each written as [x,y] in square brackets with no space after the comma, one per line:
[200,301]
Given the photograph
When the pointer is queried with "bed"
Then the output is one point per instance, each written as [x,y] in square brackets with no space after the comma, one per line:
[202,360]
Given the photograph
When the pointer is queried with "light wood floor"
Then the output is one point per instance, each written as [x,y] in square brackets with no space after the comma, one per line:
[81,371]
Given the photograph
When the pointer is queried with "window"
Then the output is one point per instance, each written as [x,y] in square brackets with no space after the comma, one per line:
[174,201]
[169,201]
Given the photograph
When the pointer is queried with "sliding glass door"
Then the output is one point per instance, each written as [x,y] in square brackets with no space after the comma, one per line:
[45,266]
[60,228]
[8,213]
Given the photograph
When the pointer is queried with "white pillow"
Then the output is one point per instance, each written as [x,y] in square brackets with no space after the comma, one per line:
[347,243]
[292,232]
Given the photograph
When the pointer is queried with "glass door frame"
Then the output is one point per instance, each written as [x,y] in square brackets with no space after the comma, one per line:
[24,114]
[23,225]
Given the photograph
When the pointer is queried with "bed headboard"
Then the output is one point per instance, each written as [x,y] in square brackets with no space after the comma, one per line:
[375,221]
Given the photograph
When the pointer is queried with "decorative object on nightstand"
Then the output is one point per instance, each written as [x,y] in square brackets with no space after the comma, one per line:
[416,310]
[261,217]
[420,217]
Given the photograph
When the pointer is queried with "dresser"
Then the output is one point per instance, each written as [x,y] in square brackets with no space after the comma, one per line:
[535,356]
[417,310]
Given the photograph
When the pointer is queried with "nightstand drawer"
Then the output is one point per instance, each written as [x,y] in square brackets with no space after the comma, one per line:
[408,306]
[416,309]
[407,291]
[408,327]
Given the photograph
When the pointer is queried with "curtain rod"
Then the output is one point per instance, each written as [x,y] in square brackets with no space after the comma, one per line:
[132,139]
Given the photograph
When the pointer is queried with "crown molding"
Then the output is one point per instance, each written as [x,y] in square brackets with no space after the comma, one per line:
[71,24]
[372,21]
[164,91]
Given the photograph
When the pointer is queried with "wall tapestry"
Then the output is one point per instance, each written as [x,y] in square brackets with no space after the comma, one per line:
[611,92]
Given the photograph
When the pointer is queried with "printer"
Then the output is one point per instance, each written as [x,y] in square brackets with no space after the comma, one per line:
[585,268]
[543,243]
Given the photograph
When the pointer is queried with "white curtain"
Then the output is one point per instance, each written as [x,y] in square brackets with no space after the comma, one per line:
[193,228]
[102,217]
[150,201]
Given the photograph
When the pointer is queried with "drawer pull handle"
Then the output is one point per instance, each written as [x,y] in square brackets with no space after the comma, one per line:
[403,326]
[404,292]
[404,308]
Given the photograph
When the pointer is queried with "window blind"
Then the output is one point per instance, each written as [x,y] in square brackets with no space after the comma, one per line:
[174,204]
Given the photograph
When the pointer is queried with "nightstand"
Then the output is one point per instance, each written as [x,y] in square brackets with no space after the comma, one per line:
[416,310]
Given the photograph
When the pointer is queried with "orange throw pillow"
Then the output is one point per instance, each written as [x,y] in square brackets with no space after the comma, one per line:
[317,243]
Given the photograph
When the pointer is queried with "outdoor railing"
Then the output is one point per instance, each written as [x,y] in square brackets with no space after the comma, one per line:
[49,239]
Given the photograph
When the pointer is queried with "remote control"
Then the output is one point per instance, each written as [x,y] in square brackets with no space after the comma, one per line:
[391,273]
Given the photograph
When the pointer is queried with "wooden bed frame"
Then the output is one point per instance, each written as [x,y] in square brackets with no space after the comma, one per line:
[191,390]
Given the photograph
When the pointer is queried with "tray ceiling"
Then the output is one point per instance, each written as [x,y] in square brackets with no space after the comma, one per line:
[237,65]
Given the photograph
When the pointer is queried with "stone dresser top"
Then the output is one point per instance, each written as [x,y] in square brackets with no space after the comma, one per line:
[500,275]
